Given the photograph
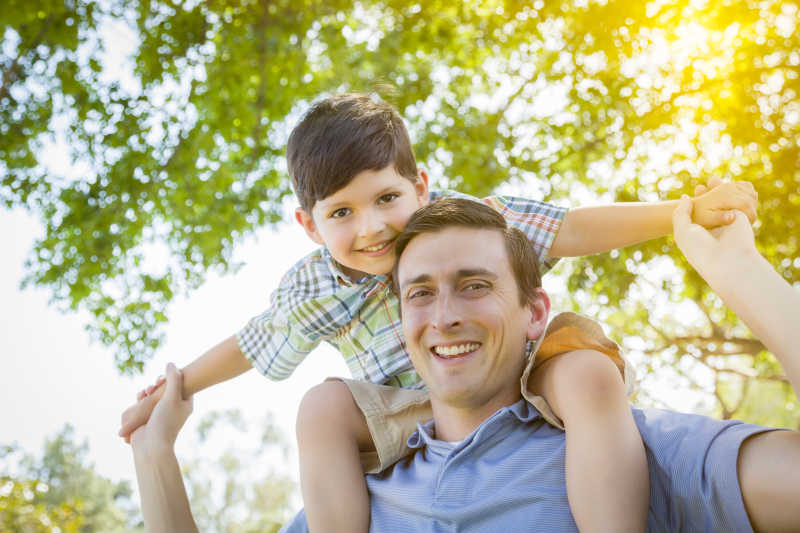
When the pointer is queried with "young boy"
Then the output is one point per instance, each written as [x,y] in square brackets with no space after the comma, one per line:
[357,182]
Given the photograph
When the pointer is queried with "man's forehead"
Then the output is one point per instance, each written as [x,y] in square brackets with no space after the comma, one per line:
[455,252]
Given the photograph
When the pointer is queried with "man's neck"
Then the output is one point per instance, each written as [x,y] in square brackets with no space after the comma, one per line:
[453,423]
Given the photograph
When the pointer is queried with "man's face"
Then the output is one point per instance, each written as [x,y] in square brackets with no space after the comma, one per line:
[359,222]
[463,322]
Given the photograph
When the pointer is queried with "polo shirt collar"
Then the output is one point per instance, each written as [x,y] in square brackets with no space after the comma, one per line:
[522,410]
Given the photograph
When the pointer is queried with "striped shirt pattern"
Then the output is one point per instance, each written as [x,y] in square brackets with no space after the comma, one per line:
[315,302]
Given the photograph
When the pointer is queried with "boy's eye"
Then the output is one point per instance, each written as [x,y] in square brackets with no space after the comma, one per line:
[386,198]
[339,213]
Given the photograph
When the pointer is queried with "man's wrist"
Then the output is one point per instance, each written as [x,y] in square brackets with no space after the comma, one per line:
[151,449]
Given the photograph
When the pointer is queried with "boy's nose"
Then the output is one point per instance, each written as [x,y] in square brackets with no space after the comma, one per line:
[371,224]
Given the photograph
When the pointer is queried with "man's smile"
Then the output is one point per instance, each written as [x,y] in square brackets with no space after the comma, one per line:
[452,351]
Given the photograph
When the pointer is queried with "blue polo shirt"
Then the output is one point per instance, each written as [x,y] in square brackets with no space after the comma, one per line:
[508,475]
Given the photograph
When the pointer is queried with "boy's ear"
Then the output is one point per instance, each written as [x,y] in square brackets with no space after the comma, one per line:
[539,308]
[421,187]
[304,219]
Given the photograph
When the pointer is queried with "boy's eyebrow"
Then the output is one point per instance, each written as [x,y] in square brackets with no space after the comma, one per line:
[345,202]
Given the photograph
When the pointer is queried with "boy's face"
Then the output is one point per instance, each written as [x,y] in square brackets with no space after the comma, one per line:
[359,222]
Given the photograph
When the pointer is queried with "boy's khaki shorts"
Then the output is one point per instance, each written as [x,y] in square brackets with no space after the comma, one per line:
[392,413]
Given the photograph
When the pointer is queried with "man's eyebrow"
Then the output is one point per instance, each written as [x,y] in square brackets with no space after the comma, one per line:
[472,272]
[460,273]
[422,278]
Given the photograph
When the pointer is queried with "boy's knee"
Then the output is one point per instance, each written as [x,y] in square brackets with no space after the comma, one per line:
[325,406]
[589,378]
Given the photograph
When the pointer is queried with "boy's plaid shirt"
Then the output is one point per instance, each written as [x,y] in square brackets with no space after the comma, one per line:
[315,302]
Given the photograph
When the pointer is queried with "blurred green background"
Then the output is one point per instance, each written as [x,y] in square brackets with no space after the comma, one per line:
[178,150]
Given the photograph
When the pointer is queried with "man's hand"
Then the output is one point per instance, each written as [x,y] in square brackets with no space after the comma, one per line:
[139,413]
[706,248]
[169,414]
[716,203]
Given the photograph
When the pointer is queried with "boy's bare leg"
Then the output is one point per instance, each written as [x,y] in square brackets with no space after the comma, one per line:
[608,484]
[331,433]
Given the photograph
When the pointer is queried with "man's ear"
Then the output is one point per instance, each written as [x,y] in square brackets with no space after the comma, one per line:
[304,219]
[539,307]
[421,187]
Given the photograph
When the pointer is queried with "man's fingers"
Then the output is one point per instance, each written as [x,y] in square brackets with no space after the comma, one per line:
[747,188]
[700,189]
[714,182]
[174,379]
[682,216]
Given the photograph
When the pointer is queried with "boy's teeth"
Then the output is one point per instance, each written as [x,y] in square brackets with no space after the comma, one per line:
[458,349]
[374,248]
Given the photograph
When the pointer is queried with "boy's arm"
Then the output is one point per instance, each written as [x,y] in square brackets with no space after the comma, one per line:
[221,363]
[591,230]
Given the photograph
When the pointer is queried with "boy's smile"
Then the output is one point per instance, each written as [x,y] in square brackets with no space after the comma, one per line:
[359,222]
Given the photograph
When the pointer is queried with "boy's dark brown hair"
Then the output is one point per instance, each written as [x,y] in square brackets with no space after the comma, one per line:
[342,136]
[461,212]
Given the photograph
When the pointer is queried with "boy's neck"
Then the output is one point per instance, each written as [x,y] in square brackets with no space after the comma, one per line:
[354,275]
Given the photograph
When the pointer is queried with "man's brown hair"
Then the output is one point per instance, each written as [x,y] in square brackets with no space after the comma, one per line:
[461,212]
[341,136]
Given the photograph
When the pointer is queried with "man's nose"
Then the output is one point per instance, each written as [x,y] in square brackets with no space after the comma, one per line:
[446,314]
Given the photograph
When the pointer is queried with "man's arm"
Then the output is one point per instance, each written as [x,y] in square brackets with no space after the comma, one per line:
[729,262]
[590,230]
[165,505]
[221,363]
[768,463]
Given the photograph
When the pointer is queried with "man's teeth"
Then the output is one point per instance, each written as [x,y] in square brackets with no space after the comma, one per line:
[458,349]
[375,247]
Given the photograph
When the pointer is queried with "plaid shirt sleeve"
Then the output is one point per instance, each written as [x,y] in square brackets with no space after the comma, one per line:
[278,340]
[539,221]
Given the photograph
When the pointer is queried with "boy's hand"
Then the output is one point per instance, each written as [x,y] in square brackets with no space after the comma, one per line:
[169,415]
[706,249]
[139,413]
[715,205]
[149,390]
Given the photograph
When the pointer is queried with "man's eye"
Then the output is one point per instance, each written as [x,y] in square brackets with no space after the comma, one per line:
[476,286]
[418,293]
[339,213]
[386,198]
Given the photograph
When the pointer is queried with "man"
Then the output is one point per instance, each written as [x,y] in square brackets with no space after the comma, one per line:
[487,461]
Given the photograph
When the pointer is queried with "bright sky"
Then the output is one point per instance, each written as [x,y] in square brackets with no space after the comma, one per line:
[52,374]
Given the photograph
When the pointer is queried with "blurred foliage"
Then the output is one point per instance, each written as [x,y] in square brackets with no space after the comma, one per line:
[61,491]
[181,157]
[237,492]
